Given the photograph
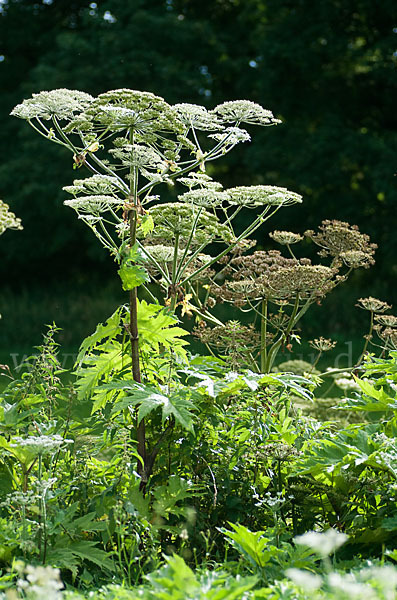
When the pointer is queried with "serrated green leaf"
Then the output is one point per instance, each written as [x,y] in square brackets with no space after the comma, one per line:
[88,523]
[254,545]
[177,581]
[150,403]
[147,224]
[139,501]
[167,496]
[65,552]
[369,389]
[132,276]
[158,328]
[110,330]
[149,398]
[96,368]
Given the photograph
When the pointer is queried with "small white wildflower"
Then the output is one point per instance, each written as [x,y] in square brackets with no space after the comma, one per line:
[162,254]
[385,577]
[41,582]
[94,204]
[232,136]
[137,155]
[156,177]
[347,384]
[246,112]
[381,438]
[117,116]
[122,227]
[305,579]
[322,543]
[61,103]
[97,184]
[274,502]
[45,484]
[201,180]
[204,197]
[142,111]
[20,498]
[42,444]
[351,587]
[196,116]
[259,195]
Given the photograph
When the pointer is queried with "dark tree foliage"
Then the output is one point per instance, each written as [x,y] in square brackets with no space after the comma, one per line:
[327,69]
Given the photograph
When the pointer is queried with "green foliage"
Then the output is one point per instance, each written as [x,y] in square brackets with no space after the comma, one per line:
[174,476]
[158,328]
[255,546]
[177,581]
[175,404]
[102,357]
[378,394]
[239,472]
[109,331]
[133,275]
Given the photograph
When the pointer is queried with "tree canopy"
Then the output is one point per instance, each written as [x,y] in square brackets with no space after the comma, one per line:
[326,69]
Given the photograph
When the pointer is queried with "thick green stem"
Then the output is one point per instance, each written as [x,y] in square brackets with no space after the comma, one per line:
[134,333]
[136,374]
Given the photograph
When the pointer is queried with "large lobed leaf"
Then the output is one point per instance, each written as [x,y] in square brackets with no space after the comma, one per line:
[174,404]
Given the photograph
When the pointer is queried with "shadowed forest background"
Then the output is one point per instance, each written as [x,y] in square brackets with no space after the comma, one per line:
[327,69]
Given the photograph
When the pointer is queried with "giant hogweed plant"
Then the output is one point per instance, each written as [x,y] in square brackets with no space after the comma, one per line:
[132,142]
[278,290]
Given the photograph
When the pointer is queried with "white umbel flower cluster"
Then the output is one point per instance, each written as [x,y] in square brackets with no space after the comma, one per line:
[7,218]
[203,180]
[62,104]
[205,197]
[97,184]
[245,111]
[194,115]
[41,582]
[94,205]
[137,155]
[143,111]
[258,195]
[323,544]
[40,444]
[232,136]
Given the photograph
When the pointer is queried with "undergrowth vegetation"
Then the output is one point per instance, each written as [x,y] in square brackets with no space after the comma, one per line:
[151,472]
